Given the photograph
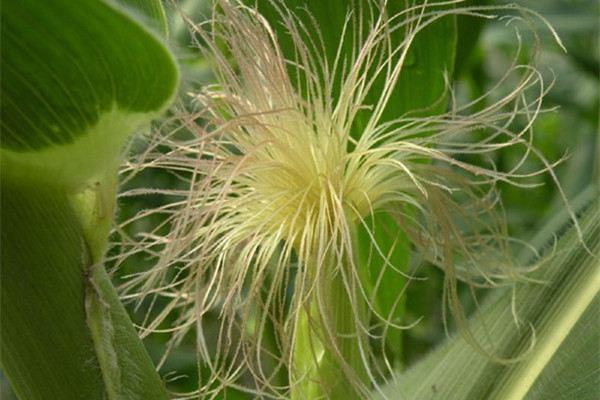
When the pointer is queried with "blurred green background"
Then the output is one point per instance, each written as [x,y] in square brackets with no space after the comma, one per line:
[572,129]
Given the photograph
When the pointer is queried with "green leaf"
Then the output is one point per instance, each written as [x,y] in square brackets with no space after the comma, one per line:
[149,11]
[384,267]
[421,87]
[421,84]
[77,79]
[573,372]
[552,334]
[47,281]
[45,345]
[468,32]
[127,368]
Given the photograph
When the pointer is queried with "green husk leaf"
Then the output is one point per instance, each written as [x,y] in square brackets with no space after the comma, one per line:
[573,372]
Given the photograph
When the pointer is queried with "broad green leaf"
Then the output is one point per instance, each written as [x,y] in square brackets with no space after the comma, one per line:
[468,32]
[149,11]
[48,284]
[421,85]
[44,341]
[553,330]
[420,90]
[77,79]
[574,370]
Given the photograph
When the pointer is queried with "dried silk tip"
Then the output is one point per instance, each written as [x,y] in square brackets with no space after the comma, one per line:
[261,237]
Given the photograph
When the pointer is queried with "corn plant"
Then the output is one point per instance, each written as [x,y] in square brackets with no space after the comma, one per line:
[77,80]
[283,207]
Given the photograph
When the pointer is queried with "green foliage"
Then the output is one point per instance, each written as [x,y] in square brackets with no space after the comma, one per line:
[44,340]
[126,367]
[572,372]
[77,79]
[48,285]
[552,327]
[384,266]
[421,86]
[150,12]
